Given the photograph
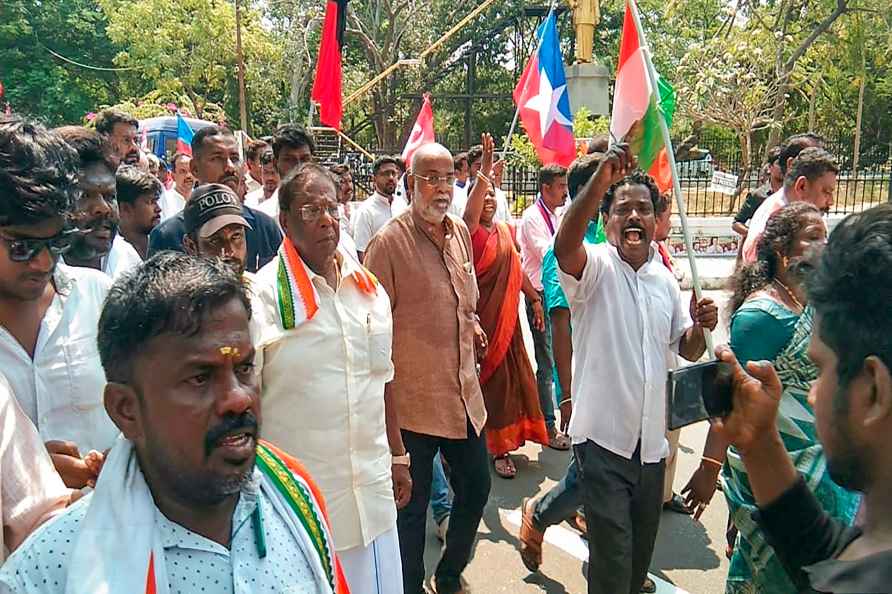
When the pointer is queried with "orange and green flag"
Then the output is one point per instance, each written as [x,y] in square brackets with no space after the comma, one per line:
[637,108]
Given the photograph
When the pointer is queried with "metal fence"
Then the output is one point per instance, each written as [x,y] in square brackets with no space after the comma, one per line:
[871,184]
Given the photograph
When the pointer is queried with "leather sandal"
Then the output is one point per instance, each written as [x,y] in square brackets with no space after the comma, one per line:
[530,537]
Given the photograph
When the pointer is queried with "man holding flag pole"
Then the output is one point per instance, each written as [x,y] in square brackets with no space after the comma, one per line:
[627,313]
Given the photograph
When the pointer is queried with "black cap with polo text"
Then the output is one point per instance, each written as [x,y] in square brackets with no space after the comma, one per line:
[210,208]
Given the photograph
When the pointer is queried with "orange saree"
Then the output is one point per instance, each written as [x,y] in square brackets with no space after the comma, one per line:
[507,380]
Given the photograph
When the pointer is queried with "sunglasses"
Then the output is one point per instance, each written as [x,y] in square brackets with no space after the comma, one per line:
[26,249]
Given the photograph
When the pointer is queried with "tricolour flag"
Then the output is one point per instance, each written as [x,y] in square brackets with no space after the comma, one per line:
[422,131]
[184,136]
[543,102]
[636,108]
[327,84]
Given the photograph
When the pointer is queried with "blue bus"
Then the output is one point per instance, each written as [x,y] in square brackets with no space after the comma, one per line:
[161,134]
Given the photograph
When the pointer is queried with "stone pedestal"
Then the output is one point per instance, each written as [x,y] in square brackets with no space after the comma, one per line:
[587,85]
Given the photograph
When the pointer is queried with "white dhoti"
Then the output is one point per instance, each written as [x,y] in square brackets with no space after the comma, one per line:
[376,568]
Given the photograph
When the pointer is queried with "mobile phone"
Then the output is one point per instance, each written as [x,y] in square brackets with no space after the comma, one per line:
[698,392]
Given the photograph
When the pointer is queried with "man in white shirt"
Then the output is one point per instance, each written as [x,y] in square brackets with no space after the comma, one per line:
[269,180]
[537,228]
[292,146]
[96,244]
[627,312]
[461,186]
[48,311]
[189,499]
[375,210]
[324,333]
[174,199]
[254,177]
[138,194]
[790,150]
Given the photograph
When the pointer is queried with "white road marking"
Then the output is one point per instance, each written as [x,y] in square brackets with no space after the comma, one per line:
[571,543]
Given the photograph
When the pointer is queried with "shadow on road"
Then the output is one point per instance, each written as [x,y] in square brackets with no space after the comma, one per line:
[682,543]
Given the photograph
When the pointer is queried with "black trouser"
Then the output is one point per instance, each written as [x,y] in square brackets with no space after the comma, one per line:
[623,500]
[470,480]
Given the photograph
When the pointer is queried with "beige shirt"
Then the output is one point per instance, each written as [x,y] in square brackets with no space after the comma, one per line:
[323,396]
[30,489]
[433,294]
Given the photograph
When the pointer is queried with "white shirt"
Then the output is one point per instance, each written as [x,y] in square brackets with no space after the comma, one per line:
[323,397]
[459,199]
[194,563]
[172,202]
[756,228]
[32,489]
[503,210]
[122,258]
[270,206]
[535,238]
[624,322]
[61,389]
[255,199]
[371,216]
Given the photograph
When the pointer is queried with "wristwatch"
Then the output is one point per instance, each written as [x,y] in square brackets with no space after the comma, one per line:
[404,460]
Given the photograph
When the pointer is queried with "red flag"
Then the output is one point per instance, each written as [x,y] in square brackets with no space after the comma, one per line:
[422,131]
[542,101]
[327,84]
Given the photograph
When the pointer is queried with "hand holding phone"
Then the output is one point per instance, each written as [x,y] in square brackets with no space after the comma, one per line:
[698,392]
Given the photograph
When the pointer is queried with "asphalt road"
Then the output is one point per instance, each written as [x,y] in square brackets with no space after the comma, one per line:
[689,555]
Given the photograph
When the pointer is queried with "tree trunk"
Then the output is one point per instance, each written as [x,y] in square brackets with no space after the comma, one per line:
[856,151]
[777,114]
[812,102]
[746,151]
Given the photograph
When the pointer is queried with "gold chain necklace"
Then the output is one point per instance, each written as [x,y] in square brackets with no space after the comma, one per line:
[789,293]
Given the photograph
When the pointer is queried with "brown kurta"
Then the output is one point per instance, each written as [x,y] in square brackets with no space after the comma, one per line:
[433,294]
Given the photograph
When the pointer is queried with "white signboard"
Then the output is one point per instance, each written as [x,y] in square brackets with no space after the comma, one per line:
[723,183]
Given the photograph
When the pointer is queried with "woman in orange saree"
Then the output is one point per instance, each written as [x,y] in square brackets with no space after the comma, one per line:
[506,376]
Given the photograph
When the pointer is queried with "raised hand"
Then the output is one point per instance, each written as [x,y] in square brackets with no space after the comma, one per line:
[616,164]
[488,151]
[757,394]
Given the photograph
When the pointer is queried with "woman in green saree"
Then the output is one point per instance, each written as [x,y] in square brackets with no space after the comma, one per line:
[771,321]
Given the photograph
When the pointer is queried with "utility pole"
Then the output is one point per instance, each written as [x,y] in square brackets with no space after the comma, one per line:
[242,107]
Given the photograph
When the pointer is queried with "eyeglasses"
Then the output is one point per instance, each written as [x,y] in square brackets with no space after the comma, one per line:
[310,213]
[437,180]
[26,249]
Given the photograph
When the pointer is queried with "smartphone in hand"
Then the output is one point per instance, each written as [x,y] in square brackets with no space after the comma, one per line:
[698,392]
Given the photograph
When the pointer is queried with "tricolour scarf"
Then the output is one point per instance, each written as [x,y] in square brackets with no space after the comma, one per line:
[119,550]
[296,296]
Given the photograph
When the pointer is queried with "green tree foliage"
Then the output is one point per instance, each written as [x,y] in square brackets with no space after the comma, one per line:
[188,46]
[42,85]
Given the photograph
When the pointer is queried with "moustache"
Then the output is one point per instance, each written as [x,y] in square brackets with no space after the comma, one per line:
[246,422]
[104,221]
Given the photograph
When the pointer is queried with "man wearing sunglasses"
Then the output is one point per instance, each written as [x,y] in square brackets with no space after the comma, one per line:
[49,311]
[323,334]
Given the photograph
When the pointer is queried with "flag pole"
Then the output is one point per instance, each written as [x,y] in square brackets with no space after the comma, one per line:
[676,185]
[517,109]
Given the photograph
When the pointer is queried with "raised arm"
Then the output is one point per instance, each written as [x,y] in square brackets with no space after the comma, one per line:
[568,249]
[481,186]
